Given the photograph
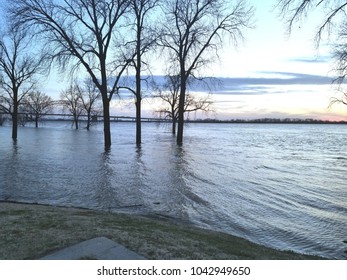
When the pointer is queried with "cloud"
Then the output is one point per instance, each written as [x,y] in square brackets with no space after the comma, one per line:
[321,59]
[268,82]
[264,83]
[283,78]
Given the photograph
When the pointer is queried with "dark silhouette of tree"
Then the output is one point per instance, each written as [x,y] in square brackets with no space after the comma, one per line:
[71,101]
[144,40]
[342,99]
[169,93]
[293,11]
[81,99]
[79,33]
[36,104]
[89,95]
[340,55]
[193,31]
[18,67]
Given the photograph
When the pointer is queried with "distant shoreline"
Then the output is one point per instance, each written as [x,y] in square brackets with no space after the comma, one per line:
[270,121]
[97,119]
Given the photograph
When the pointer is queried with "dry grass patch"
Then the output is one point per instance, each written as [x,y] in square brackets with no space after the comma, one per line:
[32,231]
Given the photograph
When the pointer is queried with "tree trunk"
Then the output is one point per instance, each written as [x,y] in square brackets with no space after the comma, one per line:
[107,127]
[138,83]
[15,120]
[174,120]
[138,121]
[181,109]
[180,127]
[36,121]
[75,121]
[88,119]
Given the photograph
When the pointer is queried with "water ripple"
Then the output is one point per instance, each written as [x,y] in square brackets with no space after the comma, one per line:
[283,186]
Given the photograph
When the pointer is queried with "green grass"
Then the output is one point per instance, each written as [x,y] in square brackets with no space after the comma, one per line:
[32,231]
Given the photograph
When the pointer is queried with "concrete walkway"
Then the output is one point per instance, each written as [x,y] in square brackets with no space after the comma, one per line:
[100,248]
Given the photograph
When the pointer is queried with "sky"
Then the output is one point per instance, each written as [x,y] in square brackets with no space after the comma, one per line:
[277,74]
[271,74]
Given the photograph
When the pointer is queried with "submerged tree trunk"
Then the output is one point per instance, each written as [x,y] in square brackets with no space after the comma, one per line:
[15,121]
[138,80]
[88,119]
[107,127]
[181,107]
[138,96]
[174,121]
[75,118]
[180,128]
[138,121]
[36,121]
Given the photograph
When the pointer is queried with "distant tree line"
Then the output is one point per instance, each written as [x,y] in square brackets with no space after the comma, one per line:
[82,99]
[270,120]
[110,40]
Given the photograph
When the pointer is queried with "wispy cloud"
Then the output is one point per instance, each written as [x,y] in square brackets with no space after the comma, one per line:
[266,83]
[284,78]
[320,59]
[263,83]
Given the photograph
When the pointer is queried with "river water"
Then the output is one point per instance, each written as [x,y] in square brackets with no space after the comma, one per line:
[281,185]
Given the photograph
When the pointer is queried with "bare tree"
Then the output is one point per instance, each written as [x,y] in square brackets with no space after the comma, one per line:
[193,31]
[71,100]
[342,99]
[294,11]
[36,104]
[144,40]
[18,68]
[89,95]
[79,33]
[169,94]
[340,55]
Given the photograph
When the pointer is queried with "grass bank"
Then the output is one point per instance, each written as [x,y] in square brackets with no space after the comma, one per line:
[32,231]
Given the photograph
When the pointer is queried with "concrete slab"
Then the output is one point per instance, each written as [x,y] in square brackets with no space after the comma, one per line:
[100,248]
